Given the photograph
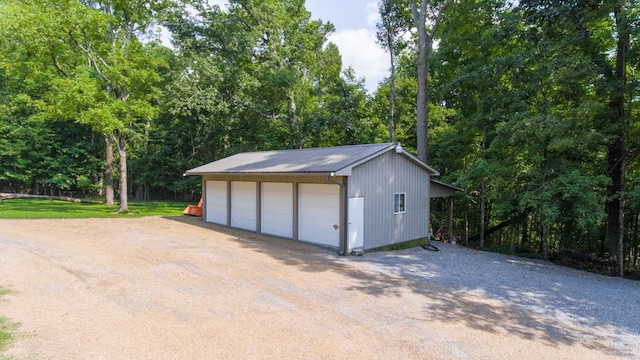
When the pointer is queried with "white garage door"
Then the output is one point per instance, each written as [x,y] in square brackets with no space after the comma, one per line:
[216,205]
[243,205]
[319,214]
[277,209]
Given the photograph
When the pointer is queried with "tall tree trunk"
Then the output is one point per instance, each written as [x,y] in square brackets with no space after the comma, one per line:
[108,172]
[389,32]
[425,49]
[525,232]
[122,151]
[392,94]
[616,202]
[616,151]
[483,198]
[466,228]
[545,241]
[483,193]
[294,121]
[34,186]
[450,225]
[635,243]
[422,99]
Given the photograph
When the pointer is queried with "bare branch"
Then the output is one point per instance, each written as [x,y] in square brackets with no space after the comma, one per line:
[57,65]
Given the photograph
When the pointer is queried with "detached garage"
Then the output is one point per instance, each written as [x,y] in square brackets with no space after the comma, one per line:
[350,198]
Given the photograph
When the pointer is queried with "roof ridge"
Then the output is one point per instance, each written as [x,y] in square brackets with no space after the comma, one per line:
[313,149]
[328,147]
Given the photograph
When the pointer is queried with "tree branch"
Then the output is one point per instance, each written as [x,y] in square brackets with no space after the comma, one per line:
[57,65]
[92,61]
[439,17]
[264,115]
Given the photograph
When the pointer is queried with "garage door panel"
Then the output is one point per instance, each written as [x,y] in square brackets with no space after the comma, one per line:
[243,205]
[216,205]
[277,209]
[319,214]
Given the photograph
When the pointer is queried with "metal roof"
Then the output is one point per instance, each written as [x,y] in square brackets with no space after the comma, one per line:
[338,160]
[442,189]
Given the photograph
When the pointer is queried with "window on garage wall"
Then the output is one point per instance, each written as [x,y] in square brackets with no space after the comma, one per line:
[399,203]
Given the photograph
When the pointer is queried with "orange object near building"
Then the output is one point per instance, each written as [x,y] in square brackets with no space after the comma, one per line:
[194,210]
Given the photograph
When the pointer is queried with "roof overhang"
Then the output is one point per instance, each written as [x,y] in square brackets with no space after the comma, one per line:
[440,189]
[260,173]
[452,187]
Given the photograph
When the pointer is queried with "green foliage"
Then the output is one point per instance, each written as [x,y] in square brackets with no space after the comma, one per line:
[99,72]
[256,76]
[54,209]
[54,156]
[520,96]
[265,80]
[527,87]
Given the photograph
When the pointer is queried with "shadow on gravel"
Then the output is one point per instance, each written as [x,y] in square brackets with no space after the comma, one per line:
[445,299]
[535,286]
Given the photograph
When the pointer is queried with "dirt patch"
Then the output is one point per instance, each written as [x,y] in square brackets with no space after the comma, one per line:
[587,262]
[166,288]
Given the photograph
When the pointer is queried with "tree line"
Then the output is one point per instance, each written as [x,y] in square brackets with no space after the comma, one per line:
[529,106]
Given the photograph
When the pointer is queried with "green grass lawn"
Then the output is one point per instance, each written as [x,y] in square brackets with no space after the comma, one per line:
[54,209]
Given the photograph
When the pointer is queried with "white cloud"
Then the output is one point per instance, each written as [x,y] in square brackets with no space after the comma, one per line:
[372,14]
[360,51]
[221,3]
[165,36]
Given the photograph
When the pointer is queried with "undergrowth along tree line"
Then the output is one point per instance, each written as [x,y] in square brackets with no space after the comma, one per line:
[531,106]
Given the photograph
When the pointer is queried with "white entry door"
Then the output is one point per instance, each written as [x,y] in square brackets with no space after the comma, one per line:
[319,214]
[356,223]
[216,202]
[243,205]
[277,209]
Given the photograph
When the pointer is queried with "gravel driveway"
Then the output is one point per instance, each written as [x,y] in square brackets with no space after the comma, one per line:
[599,303]
[168,288]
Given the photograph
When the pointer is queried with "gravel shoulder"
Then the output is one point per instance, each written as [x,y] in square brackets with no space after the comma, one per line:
[166,288]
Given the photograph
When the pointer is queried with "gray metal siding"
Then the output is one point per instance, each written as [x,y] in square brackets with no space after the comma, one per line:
[377,180]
